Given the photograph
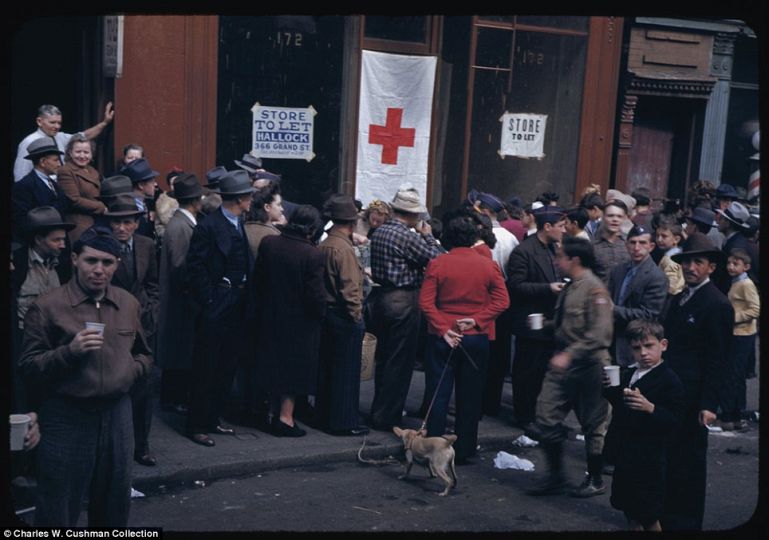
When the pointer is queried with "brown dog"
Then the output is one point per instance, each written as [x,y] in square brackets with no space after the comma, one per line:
[437,452]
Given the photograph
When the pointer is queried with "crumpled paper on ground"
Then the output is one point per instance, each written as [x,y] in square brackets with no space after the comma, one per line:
[135,493]
[509,461]
[524,442]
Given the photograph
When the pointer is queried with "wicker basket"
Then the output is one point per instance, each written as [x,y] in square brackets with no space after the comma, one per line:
[367,357]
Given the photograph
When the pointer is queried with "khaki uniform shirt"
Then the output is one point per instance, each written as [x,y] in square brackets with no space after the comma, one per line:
[344,276]
[584,319]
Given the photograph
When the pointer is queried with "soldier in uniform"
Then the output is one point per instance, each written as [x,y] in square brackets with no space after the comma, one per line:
[582,329]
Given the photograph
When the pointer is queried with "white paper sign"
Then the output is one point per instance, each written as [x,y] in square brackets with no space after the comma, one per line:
[523,135]
[282,132]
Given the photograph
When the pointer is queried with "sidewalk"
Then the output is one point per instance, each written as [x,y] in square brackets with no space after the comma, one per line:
[180,461]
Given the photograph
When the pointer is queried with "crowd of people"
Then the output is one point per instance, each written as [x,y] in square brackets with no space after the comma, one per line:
[224,300]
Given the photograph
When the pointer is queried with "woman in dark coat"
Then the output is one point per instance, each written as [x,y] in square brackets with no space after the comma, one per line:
[290,304]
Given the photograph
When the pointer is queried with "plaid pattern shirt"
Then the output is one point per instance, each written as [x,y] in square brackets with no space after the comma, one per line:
[399,255]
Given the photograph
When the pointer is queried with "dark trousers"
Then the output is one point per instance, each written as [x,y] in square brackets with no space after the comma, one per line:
[395,317]
[499,365]
[529,367]
[86,452]
[143,394]
[174,387]
[734,402]
[338,399]
[686,476]
[224,345]
[469,388]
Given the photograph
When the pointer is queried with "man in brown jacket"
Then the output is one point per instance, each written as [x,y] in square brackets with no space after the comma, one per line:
[85,416]
[342,336]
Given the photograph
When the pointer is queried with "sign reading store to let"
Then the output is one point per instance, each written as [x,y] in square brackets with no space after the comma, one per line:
[282,132]
[523,135]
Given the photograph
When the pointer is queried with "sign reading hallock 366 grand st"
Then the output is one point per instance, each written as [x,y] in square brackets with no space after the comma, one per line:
[282,132]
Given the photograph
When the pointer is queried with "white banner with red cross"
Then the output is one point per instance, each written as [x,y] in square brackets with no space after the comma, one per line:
[396,101]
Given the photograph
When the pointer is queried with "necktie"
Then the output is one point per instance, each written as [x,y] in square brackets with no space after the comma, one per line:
[625,287]
[685,296]
[128,260]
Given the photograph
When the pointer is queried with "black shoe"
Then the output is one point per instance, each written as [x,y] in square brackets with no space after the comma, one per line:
[146,459]
[590,487]
[352,432]
[202,439]
[280,429]
[223,430]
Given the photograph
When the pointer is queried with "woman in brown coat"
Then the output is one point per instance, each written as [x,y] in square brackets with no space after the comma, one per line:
[80,183]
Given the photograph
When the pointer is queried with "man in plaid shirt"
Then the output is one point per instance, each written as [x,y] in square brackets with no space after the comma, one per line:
[398,259]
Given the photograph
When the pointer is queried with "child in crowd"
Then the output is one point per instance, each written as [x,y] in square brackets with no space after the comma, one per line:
[744,298]
[669,234]
[576,221]
[646,408]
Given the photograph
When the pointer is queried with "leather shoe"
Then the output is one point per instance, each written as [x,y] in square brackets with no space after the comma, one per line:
[352,432]
[146,459]
[223,430]
[281,429]
[202,439]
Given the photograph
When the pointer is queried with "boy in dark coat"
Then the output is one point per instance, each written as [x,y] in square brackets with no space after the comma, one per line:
[647,406]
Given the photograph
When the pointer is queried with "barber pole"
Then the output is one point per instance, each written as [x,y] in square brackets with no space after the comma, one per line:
[754,181]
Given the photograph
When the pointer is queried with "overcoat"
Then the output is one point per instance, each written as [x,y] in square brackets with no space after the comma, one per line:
[176,320]
[636,442]
[81,187]
[291,304]
[31,192]
[144,285]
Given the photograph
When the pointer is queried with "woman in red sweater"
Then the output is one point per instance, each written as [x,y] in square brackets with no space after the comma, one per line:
[463,292]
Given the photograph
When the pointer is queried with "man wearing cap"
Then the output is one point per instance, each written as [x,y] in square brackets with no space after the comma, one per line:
[733,224]
[143,179]
[338,396]
[638,289]
[506,242]
[609,242]
[38,267]
[699,325]
[137,273]
[49,127]
[178,313]
[534,283]
[85,418]
[39,187]
[398,260]
[218,265]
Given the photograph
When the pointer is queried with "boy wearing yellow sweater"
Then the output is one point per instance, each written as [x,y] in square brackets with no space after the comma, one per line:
[744,298]
[669,234]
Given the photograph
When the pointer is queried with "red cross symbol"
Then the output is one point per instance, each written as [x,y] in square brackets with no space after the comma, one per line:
[391,136]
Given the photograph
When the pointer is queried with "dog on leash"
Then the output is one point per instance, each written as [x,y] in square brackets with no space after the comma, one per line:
[437,453]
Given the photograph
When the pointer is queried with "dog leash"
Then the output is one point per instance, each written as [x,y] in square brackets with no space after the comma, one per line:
[435,394]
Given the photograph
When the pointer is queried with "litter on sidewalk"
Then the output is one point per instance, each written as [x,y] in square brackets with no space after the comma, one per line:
[510,461]
[524,442]
[135,493]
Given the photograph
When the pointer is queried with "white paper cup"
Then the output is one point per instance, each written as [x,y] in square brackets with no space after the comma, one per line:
[19,426]
[95,326]
[535,321]
[613,372]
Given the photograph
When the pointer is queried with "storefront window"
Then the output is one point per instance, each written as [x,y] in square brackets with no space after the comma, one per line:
[546,77]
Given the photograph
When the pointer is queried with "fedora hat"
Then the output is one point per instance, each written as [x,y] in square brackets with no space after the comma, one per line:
[267,175]
[45,218]
[123,205]
[698,244]
[407,200]
[213,176]
[340,207]
[235,183]
[703,216]
[186,186]
[114,186]
[139,170]
[737,214]
[41,147]
[726,191]
[249,163]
